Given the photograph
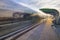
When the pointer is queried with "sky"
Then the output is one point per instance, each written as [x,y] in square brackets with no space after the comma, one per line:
[24,5]
[33,4]
[15,5]
[41,3]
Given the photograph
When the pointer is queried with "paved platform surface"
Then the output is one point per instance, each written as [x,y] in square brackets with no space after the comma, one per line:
[43,31]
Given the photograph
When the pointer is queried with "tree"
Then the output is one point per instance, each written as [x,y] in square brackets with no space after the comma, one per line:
[53,12]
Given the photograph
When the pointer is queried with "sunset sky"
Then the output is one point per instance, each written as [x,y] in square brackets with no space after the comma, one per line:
[41,3]
[18,5]
[33,3]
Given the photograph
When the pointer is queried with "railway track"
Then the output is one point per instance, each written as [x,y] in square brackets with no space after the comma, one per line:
[11,29]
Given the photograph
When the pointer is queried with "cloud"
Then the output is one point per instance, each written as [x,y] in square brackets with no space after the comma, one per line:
[41,3]
[2,4]
[33,3]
